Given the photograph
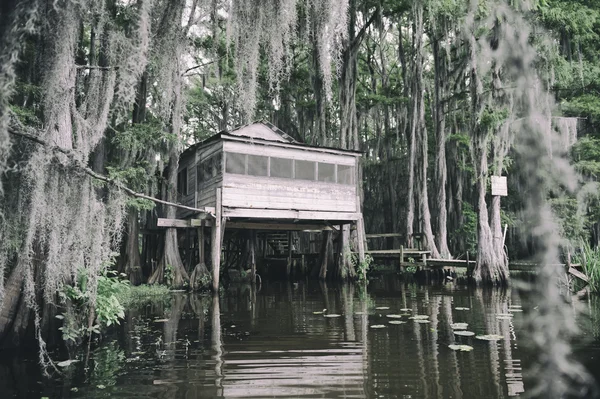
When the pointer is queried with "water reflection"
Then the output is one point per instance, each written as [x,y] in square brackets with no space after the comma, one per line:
[278,342]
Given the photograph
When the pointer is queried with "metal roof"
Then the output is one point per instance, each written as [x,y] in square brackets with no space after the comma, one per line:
[265,133]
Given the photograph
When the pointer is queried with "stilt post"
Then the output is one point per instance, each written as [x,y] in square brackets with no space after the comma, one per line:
[201,243]
[217,240]
[288,270]
[253,256]
[401,256]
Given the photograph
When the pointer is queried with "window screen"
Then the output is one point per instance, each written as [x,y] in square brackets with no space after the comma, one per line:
[305,170]
[209,168]
[258,165]
[235,163]
[345,174]
[182,182]
[216,165]
[327,172]
[281,167]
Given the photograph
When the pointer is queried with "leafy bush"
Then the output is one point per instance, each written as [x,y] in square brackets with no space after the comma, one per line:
[108,310]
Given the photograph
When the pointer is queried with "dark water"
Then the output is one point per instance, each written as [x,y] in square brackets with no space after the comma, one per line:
[270,343]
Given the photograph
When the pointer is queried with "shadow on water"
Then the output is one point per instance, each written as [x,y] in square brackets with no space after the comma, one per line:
[311,340]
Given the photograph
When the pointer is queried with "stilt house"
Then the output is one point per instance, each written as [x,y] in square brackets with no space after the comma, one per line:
[258,177]
[265,175]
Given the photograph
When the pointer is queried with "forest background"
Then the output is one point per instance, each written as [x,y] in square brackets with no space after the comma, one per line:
[429,91]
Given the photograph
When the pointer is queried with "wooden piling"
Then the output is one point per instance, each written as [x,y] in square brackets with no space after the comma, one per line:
[253,256]
[401,257]
[201,244]
[217,240]
[288,270]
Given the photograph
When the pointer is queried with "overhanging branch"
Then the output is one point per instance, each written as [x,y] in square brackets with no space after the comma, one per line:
[100,177]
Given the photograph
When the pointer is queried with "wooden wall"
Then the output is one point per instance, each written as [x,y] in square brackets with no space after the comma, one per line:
[244,191]
[266,192]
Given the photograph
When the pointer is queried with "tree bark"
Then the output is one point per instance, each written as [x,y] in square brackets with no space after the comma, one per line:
[171,258]
[440,158]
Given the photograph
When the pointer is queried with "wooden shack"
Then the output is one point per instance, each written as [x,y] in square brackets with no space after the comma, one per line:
[258,177]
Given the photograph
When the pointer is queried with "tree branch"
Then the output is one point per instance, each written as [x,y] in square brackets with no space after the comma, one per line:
[100,177]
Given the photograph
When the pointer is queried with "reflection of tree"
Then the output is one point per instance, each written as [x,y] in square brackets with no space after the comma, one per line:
[200,305]
[172,324]
[453,366]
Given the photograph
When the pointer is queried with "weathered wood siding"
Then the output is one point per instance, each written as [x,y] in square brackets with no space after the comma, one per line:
[206,191]
[245,191]
[199,195]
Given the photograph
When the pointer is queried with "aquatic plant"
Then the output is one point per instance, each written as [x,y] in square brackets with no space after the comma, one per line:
[589,258]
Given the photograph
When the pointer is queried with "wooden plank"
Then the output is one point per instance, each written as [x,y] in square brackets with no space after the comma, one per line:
[406,251]
[384,235]
[574,272]
[289,214]
[450,262]
[278,226]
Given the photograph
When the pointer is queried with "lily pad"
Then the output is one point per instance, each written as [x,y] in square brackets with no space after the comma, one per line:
[422,321]
[489,337]
[359,313]
[419,317]
[464,333]
[459,326]
[332,315]
[460,308]
[100,386]
[515,306]
[406,310]
[462,348]
[161,320]
[382,307]
[504,317]
[393,316]
[377,326]
[396,322]
[515,310]
[66,363]
[318,312]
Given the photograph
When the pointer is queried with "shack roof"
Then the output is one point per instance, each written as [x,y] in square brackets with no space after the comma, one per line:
[265,133]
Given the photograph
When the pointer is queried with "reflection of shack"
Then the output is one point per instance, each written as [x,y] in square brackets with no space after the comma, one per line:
[258,179]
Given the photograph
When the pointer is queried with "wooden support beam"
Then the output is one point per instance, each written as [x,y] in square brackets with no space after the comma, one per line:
[277,226]
[201,244]
[217,241]
[253,256]
[384,235]
[288,270]
[288,214]
[182,223]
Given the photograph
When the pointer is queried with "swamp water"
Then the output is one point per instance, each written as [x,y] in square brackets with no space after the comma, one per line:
[279,341]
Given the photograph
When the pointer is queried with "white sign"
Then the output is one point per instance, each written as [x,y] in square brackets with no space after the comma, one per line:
[499,186]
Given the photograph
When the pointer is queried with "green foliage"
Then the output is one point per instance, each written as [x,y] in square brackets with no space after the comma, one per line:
[491,119]
[26,116]
[570,219]
[468,231]
[109,360]
[137,296]
[586,156]
[108,310]
[589,257]
[410,269]
[362,268]
[583,105]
